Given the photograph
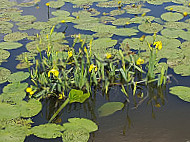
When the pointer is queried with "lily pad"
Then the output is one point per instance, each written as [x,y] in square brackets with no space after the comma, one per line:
[125,31]
[10,45]
[103,43]
[117,12]
[56,4]
[171,17]
[75,135]
[150,27]
[15,87]
[136,10]
[4,74]
[4,54]
[30,108]
[177,25]
[121,21]
[182,69]
[61,13]
[179,8]
[25,18]
[143,19]
[48,130]
[182,92]
[75,123]
[110,108]
[16,36]
[171,33]
[18,76]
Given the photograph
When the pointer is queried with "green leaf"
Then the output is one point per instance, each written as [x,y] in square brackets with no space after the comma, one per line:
[10,45]
[78,96]
[18,76]
[110,108]
[48,130]
[170,16]
[16,36]
[150,27]
[15,87]
[76,123]
[30,108]
[4,74]
[182,92]
[75,135]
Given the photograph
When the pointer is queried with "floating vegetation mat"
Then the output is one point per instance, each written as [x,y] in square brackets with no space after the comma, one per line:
[113,35]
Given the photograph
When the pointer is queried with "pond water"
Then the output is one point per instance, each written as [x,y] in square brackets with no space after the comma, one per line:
[147,122]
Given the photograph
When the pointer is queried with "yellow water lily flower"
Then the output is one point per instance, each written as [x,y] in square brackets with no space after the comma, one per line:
[142,38]
[96,69]
[28,90]
[139,61]
[119,2]
[158,45]
[31,92]
[185,13]
[108,55]
[54,72]
[127,23]
[47,4]
[171,9]
[144,14]
[62,21]
[70,54]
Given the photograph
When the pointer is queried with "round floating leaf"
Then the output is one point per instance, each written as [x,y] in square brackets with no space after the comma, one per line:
[134,43]
[117,12]
[75,135]
[125,31]
[157,2]
[102,35]
[61,13]
[4,74]
[4,54]
[48,130]
[136,10]
[106,19]
[56,4]
[18,76]
[23,65]
[12,98]
[150,27]
[109,108]
[30,108]
[179,8]
[76,123]
[10,45]
[103,43]
[8,111]
[185,35]
[182,69]
[15,87]
[4,24]
[25,18]
[177,25]
[40,25]
[16,36]
[29,55]
[121,21]
[108,4]
[143,19]
[14,133]
[182,92]
[171,17]
[171,33]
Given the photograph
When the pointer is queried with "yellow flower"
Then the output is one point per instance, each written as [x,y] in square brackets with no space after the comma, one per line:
[108,55]
[185,14]
[31,92]
[119,2]
[96,69]
[139,61]
[28,90]
[157,105]
[158,45]
[127,23]
[54,72]
[143,14]
[63,21]
[171,9]
[47,4]
[61,96]
[142,38]
[92,66]
[70,54]
[77,17]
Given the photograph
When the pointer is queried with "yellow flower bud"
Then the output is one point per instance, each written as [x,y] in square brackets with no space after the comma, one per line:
[28,89]
[185,13]
[70,54]
[63,21]
[108,55]
[47,4]
[140,61]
